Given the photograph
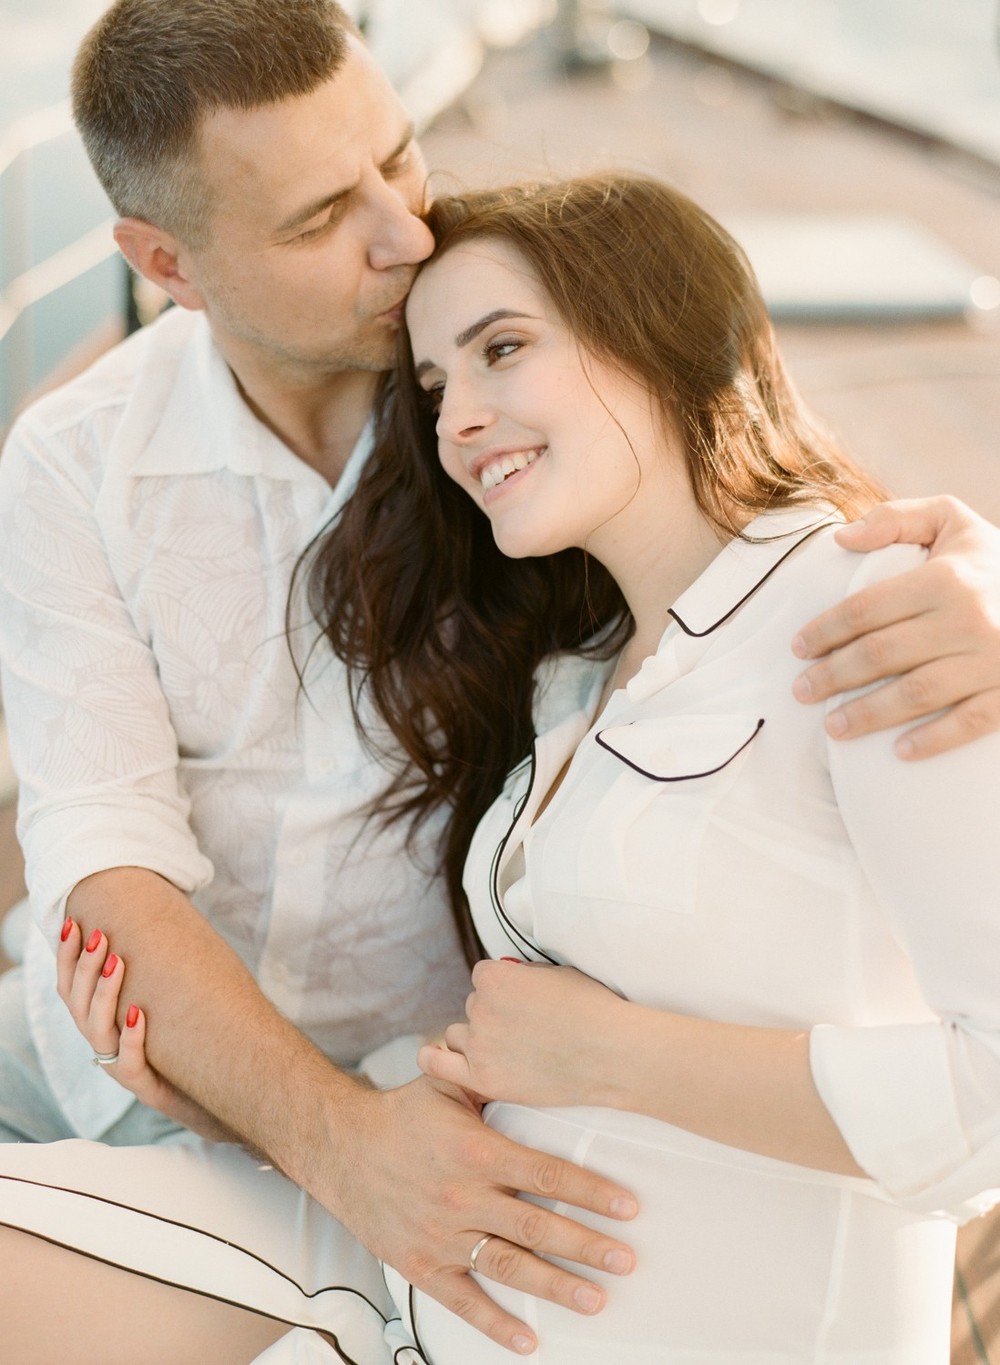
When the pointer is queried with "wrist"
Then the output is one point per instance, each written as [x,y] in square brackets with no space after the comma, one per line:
[613,1067]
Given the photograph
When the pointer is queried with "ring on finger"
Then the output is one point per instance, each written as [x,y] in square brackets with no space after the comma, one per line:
[104,1058]
[474,1253]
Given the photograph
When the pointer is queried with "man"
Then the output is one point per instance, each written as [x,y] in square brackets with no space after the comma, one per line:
[182,797]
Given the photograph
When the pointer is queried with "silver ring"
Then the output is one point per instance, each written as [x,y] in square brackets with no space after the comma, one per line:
[103,1058]
[474,1253]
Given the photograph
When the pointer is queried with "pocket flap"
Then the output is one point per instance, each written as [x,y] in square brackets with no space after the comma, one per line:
[679,748]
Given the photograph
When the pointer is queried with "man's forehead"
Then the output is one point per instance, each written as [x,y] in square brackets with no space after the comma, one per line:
[291,152]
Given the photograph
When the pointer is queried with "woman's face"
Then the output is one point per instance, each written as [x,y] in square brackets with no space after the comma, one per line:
[558,448]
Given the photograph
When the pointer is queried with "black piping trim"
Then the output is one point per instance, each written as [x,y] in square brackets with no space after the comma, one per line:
[202,1232]
[172,1284]
[683,777]
[413,1327]
[699,634]
[518,940]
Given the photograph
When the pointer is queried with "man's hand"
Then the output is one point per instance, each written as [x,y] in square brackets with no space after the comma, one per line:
[935,632]
[421,1180]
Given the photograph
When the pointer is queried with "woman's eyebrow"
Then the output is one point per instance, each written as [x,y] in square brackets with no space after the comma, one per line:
[471,332]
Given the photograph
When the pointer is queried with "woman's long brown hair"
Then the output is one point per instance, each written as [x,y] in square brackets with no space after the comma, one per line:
[439,631]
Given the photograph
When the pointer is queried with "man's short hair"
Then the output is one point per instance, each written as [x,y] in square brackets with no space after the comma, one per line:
[150,71]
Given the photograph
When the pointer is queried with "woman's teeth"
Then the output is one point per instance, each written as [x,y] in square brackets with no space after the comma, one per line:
[502,469]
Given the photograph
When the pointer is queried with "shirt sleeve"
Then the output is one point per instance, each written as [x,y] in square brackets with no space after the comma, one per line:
[919,1104]
[89,728]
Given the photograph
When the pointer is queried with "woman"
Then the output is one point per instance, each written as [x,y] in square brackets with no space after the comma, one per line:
[763,989]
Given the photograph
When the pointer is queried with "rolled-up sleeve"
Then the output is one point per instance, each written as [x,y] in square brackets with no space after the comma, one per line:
[90,734]
[919,1104]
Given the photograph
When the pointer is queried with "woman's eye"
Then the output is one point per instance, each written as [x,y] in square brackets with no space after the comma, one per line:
[433,397]
[500,349]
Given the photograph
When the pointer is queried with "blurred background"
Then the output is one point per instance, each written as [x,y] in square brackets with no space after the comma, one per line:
[853,146]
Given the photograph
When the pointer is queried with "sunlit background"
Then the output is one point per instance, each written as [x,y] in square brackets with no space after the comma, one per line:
[919,64]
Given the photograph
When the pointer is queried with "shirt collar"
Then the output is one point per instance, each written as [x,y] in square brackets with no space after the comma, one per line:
[744,564]
[200,420]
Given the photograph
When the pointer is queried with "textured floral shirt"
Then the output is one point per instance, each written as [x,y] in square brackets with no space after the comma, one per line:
[149,528]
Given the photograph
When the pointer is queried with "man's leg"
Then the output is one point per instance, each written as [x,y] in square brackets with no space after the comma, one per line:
[29,1111]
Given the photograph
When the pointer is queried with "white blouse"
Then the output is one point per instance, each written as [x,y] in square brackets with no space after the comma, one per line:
[710,851]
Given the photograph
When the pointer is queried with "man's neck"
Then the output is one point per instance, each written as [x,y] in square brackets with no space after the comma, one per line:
[319,417]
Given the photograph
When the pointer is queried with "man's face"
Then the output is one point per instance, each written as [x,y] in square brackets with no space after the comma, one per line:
[313,234]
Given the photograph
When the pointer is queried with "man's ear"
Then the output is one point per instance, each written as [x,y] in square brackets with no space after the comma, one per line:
[157,255]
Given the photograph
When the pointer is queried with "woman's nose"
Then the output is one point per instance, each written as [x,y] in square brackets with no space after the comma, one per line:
[463,414]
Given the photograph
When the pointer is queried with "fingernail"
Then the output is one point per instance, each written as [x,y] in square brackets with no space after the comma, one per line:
[624,1207]
[905,748]
[511,959]
[93,941]
[66,930]
[588,1298]
[132,1018]
[802,688]
[836,724]
[523,1345]
[800,647]
[618,1262]
[110,965]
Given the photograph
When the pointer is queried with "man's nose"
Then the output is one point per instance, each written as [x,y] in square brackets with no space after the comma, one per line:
[402,238]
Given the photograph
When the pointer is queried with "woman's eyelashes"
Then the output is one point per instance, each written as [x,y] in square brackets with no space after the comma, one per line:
[494,350]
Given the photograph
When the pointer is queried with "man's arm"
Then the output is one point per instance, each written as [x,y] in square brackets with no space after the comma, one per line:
[934,633]
[414,1172]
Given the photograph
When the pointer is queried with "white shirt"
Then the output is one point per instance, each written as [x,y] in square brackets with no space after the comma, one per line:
[149,526]
[710,851]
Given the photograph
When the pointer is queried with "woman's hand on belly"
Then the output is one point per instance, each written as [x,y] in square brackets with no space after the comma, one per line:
[534,1035]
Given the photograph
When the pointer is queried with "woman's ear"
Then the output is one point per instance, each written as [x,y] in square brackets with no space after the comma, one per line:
[156,255]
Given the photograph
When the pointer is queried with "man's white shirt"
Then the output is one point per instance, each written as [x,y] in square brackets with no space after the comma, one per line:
[149,530]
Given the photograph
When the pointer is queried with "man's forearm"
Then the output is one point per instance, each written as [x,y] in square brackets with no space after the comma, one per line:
[212,1032]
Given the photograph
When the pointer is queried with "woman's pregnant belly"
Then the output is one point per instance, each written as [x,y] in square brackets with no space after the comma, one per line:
[741,1260]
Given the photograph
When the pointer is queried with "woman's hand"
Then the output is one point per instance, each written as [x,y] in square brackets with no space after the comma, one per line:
[535,1035]
[90,979]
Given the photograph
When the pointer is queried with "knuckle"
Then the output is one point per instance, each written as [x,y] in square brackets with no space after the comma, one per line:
[874,650]
[556,1286]
[918,692]
[465,1305]
[531,1227]
[856,613]
[503,1262]
[548,1176]
[417,1267]
[472,1152]
[976,717]
[453,1198]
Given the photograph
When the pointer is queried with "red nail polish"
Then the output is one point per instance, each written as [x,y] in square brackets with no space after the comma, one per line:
[132,1018]
[93,941]
[110,965]
[66,930]
[512,959]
